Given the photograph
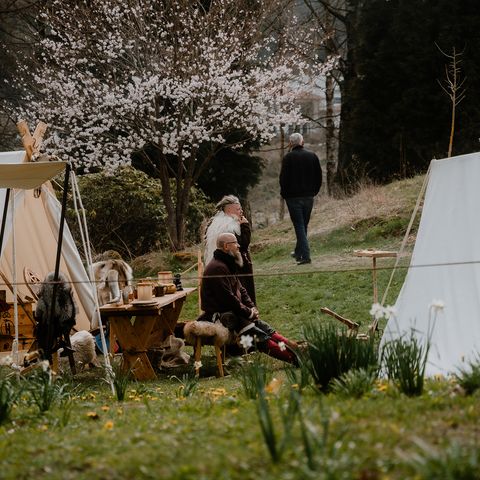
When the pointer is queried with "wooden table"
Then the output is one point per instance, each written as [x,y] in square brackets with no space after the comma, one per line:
[138,327]
[374,254]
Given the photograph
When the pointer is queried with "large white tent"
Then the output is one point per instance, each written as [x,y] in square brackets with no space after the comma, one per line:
[36,226]
[445,269]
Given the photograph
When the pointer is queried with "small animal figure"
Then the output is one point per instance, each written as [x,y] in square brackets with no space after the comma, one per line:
[114,280]
[83,346]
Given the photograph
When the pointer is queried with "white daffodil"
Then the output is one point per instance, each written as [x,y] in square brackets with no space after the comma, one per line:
[437,305]
[246,341]
[377,311]
[390,311]
[282,346]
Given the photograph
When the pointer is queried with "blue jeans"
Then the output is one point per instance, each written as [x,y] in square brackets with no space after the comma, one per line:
[300,209]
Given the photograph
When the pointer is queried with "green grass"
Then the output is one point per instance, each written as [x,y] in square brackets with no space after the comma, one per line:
[215,434]
[159,431]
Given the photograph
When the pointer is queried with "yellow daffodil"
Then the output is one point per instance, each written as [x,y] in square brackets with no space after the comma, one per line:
[108,425]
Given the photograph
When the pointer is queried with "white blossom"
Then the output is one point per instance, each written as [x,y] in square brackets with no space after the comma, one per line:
[246,341]
[437,305]
[377,311]
[282,346]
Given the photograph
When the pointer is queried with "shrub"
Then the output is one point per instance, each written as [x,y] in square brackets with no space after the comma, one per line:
[469,378]
[354,383]
[44,390]
[8,397]
[332,352]
[125,212]
[404,360]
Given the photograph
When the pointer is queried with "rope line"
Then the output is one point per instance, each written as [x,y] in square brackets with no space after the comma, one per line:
[293,273]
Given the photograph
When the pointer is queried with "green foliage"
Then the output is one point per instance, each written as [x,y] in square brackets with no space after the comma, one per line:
[44,391]
[188,385]
[125,212]
[455,462]
[469,378]
[253,374]
[332,352]
[8,397]
[398,116]
[231,172]
[404,360]
[298,377]
[120,378]
[354,383]
[276,440]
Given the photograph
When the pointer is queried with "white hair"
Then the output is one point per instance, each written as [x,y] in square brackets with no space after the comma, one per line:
[296,139]
[220,223]
[227,200]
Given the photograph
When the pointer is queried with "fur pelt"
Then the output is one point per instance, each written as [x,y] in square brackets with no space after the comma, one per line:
[214,333]
[168,353]
[114,280]
[219,223]
[50,328]
[83,345]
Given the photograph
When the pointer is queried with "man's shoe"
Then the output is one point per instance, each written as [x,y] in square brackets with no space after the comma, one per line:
[304,261]
[294,255]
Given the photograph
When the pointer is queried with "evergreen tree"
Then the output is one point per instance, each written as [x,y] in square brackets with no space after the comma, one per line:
[399,115]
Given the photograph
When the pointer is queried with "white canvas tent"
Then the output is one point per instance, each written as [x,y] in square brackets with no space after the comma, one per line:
[37,223]
[445,267]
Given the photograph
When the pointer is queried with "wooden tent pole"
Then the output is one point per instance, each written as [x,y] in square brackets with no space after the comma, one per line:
[4,218]
[62,221]
[56,276]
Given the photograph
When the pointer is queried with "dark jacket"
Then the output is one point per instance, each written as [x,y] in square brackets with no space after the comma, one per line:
[223,292]
[246,272]
[301,174]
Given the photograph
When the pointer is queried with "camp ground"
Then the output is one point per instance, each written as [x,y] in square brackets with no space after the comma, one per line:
[36,241]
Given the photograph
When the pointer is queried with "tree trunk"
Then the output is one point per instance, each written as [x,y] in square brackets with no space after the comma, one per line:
[330,134]
[281,210]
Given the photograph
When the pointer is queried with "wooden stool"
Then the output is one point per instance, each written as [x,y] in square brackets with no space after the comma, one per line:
[199,333]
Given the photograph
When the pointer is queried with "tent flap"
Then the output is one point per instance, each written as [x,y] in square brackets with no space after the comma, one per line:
[28,175]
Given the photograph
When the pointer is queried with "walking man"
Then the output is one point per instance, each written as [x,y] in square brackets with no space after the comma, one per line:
[300,181]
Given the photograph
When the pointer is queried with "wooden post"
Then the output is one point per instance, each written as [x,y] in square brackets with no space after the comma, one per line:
[198,355]
[218,354]
[31,143]
[27,139]
[200,275]
[374,278]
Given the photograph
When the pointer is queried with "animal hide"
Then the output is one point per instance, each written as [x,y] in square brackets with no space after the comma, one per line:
[168,353]
[211,333]
[55,318]
[114,280]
